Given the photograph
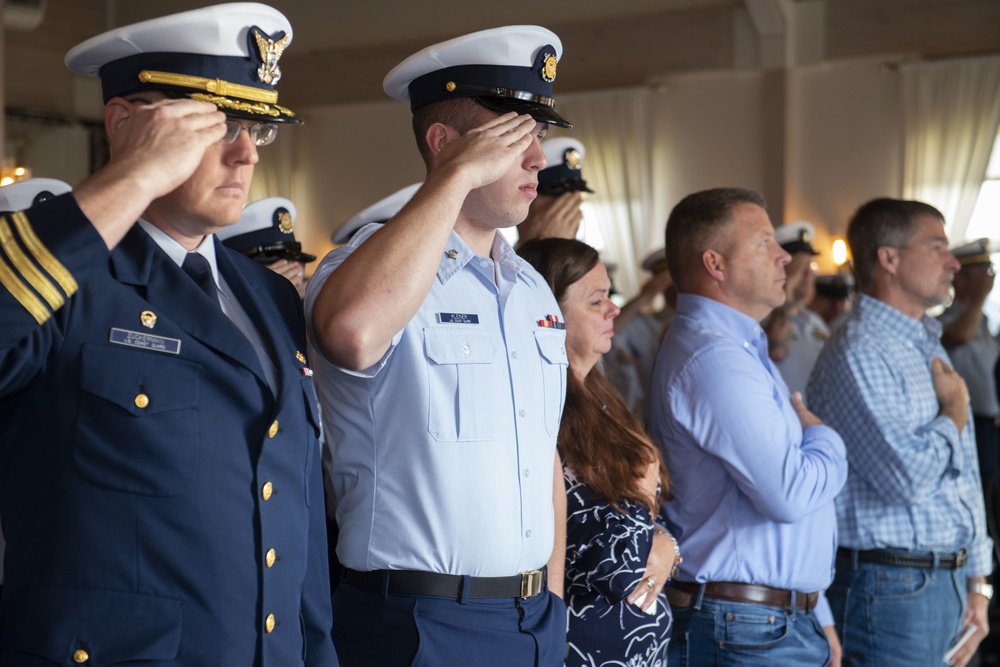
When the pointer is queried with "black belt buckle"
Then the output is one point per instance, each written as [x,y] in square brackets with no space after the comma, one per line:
[531,583]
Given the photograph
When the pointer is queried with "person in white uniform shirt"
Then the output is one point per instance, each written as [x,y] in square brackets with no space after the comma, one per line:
[441,361]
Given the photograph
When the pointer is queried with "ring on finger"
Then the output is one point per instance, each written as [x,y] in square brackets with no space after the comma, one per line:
[650,582]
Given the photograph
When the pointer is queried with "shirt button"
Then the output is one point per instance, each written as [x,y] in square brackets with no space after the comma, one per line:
[270,558]
[522,412]
[527,533]
[273,430]
[513,355]
[484,263]
[527,473]
[266,491]
[269,623]
[466,349]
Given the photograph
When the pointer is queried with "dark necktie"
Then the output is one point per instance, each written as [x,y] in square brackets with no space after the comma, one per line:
[196,266]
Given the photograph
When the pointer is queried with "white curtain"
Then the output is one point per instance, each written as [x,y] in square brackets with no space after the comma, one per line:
[274,174]
[614,127]
[951,115]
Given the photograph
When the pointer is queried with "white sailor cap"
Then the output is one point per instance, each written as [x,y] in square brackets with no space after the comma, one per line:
[656,261]
[796,237]
[225,54]
[504,69]
[266,232]
[564,173]
[25,194]
[976,252]
[380,211]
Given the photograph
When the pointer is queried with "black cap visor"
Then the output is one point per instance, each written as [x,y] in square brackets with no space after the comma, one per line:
[540,112]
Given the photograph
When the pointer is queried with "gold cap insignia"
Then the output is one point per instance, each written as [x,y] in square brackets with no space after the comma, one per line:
[285,225]
[301,357]
[573,159]
[148,319]
[270,51]
[450,86]
[549,68]
[452,254]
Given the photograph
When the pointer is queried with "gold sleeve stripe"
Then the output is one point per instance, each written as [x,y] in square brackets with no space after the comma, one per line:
[42,255]
[27,268]
[24,296]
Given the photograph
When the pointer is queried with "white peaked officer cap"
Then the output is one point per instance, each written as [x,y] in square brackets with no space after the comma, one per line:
[564,167]
[975,252]
[655,261]
[380,211]
[796,237]
[25,194]
[504,69]
[225,54]
[266,232]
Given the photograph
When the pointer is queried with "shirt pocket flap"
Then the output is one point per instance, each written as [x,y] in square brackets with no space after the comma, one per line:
[552,345]
[139,382]
[448,346]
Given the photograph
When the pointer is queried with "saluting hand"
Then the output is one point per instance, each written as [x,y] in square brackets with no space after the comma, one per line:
[163,142]
[560,219]
[486,153]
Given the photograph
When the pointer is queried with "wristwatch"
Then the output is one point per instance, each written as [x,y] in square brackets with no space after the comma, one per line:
[986,590]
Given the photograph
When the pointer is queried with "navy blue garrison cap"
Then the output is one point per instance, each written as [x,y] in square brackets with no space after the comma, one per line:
[224,54]
[504,69]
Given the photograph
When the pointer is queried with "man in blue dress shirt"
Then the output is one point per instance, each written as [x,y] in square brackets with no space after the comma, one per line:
[755,473]
[911,520]
[442,367]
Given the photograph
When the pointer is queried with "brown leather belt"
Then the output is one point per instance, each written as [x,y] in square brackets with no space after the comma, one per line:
[684,593]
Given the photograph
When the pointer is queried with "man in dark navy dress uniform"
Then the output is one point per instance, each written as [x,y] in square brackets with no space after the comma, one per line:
[159,471]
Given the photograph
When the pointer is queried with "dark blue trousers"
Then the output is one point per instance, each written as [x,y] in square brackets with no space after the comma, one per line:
[401,630]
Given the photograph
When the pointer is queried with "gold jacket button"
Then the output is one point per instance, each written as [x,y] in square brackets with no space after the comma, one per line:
[266,491]
[269,623]
[270,558]
[141,401]
[273,431]
[80,656]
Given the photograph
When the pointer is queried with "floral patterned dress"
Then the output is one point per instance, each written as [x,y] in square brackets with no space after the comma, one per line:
[606,553]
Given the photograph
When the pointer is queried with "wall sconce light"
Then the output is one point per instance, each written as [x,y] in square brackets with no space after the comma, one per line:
[839,252]
[10,175]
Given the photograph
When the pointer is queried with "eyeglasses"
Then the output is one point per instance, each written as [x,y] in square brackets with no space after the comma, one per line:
[261,134]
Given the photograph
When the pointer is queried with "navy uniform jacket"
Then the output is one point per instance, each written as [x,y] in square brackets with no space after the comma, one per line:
[142,490]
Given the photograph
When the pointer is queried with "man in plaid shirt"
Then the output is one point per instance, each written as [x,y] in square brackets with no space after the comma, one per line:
[911,523]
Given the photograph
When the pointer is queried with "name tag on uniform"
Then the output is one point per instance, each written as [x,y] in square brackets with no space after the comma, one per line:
[145,341]
[458,318]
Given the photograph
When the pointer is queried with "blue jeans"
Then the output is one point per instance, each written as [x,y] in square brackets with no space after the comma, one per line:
[717,633]
[888,615]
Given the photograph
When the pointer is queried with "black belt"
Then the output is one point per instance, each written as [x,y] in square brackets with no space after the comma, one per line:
[951,561]
[407,582]
[683,594]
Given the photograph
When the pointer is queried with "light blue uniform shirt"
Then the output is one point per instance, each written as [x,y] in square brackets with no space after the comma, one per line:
[914,481]
[442,453]
[975,361]
[753,493]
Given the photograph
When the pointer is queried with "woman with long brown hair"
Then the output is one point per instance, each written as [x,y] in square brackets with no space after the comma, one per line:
[617,556]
